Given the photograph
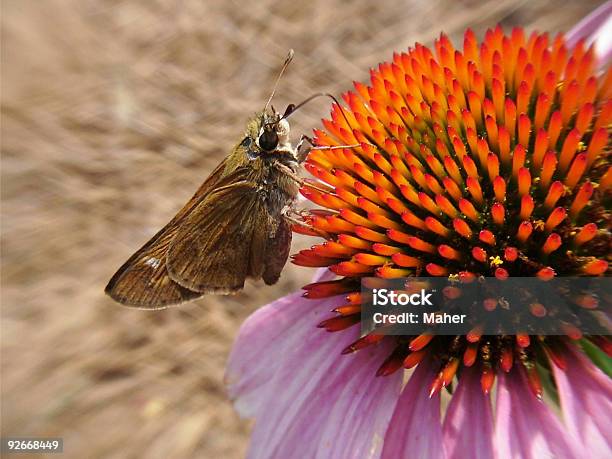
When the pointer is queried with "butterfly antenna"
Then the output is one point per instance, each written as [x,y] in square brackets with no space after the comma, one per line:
[293,108]
[285,65]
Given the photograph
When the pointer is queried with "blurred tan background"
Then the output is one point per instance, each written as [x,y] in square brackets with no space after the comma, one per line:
[113,112]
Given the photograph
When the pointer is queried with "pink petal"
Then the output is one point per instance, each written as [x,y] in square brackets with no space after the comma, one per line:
[335,408]
[468,426]
[323,274]
[263,342]
[308,399]
[525,427]
[254,357]
[595,28]
[585,393]
[415,430]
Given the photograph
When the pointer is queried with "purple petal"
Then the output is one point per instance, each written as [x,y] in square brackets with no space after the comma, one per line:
[338,410]
[361,412]
[309,400]
[585,393]
[323,274]
[262,345]
[468,426]
[415,430]
[525,427]
[595,28]
[254,357]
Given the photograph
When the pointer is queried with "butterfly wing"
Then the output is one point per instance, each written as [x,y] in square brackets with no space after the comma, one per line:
[143,280]
[223,241]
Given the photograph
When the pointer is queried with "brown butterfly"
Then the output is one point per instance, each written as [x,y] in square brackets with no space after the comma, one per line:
[235,226]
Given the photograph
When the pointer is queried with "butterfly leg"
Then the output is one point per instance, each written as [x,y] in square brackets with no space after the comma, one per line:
[297,217]
[300,181]
[302,153]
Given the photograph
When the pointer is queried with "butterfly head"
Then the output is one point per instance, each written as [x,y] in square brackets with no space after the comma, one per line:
[273,131]
[267,134]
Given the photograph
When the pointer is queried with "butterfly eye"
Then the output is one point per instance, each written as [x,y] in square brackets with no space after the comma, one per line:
[268,140]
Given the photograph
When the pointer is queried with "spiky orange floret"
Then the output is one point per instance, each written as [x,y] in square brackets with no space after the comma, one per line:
[492,161]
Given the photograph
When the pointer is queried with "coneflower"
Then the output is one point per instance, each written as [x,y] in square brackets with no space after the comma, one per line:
[486,160]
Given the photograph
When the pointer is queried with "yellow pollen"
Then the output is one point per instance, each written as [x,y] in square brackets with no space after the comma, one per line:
[539,225]
[496,261]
